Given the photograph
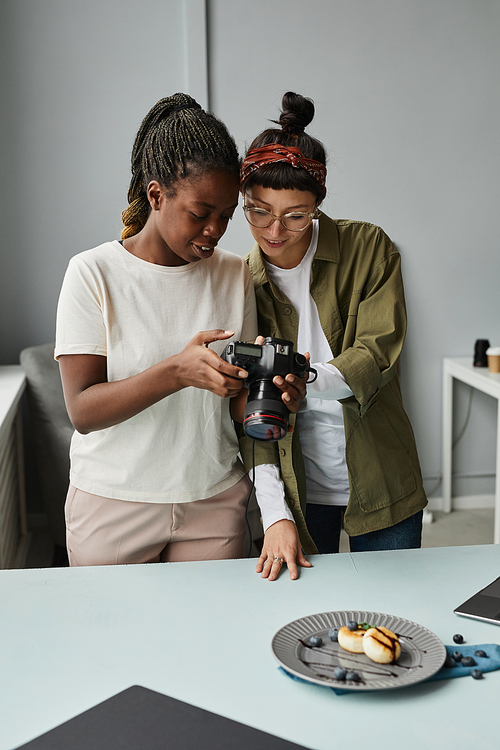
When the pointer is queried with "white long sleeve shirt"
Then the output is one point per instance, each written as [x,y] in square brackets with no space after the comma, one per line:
[320,418]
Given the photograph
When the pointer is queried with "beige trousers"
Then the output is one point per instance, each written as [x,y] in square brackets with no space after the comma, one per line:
[104,531]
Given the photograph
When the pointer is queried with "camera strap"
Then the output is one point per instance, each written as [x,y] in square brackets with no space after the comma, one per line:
[248,501]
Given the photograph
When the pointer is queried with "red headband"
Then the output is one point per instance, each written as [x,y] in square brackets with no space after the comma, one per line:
[273,152]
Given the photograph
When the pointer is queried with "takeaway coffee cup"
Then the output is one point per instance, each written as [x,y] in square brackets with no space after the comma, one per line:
[493,354]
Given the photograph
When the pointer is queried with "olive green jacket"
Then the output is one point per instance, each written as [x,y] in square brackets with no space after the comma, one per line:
[357,286]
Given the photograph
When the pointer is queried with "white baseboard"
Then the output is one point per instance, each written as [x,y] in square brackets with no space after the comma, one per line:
[465,502]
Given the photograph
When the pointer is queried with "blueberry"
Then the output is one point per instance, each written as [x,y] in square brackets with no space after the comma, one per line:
[450,662]
[457,655]
[352,625]
[468,661]
[477,674]
[315,640]
[458,638]
[340,673]
[352,677]
[481,654]
[333,634]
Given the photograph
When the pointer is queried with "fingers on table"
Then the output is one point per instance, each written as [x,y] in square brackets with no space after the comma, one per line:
[270,567]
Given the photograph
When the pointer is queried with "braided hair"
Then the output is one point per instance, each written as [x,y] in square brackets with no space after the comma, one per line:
[296,113]
[177,139]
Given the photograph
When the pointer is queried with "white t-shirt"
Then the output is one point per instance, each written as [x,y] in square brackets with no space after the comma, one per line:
[320,419]
[135,314]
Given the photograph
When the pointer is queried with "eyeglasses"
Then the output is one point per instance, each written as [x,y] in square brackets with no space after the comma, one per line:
[296,221]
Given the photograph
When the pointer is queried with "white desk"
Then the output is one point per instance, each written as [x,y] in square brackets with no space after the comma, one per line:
[12,385]
[462,368]
[201,632]
[13,526]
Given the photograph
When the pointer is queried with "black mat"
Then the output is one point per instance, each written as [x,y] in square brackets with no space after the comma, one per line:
[142,719]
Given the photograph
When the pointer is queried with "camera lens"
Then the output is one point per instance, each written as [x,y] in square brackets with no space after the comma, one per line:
[266,416]
[265,427]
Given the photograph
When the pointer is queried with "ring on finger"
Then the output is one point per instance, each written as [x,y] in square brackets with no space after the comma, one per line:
[278,560]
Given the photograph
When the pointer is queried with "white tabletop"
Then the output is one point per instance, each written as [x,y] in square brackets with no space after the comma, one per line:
[201,632]
[462,368]
[12,384]
[479,377]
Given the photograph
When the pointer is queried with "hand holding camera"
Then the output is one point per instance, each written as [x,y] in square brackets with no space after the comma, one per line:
[266,415]
[199,366]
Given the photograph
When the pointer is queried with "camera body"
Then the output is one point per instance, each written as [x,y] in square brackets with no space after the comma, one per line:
[266,416]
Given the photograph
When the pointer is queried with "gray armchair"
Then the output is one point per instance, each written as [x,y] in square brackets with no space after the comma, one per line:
[52,431]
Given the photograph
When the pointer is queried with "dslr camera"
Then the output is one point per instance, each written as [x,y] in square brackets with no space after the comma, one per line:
[266,416]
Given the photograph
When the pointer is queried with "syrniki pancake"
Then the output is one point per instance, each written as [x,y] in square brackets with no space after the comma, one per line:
[351,640]
[381,645]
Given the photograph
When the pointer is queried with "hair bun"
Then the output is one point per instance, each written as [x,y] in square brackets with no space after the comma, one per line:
[296,113]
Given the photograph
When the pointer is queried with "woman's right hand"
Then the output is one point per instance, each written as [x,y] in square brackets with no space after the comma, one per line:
[281,547]
[94,403]
[200,367]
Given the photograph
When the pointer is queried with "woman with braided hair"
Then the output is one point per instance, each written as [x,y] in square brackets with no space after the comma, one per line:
[334,288]
[155,473]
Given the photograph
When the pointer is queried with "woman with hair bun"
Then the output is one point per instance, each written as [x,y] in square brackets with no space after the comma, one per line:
[155,474]
[334,288]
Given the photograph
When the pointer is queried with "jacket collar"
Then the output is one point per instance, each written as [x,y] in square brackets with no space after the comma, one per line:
[328,249]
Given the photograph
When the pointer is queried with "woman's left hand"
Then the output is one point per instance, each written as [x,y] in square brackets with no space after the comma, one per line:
[281,546]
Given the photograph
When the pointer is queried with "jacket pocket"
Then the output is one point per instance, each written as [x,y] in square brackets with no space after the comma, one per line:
[380,469]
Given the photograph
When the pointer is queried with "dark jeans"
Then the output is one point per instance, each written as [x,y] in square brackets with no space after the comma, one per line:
[325,522]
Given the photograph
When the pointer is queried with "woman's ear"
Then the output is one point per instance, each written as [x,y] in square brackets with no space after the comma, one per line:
[154,194]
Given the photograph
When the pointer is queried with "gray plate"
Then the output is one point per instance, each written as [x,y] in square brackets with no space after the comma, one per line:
[422,653]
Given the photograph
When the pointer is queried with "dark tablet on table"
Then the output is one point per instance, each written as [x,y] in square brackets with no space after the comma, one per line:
[142,719]
[485,605]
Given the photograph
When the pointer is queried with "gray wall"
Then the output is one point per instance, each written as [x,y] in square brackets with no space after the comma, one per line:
[407,103]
